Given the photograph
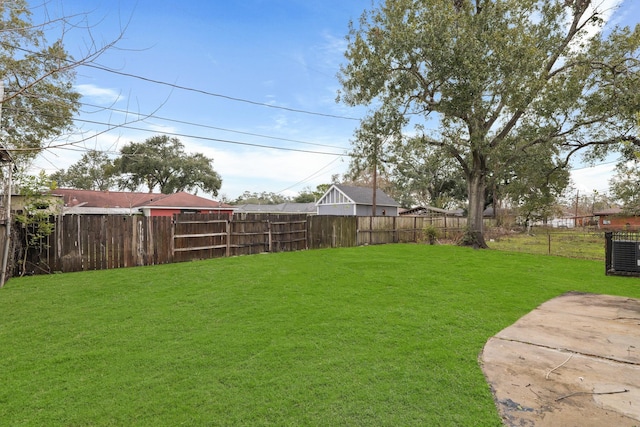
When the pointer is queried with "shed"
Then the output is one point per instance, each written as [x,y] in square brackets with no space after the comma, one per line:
[355,201]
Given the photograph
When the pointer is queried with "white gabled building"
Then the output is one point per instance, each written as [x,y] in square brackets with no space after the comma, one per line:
[355,201]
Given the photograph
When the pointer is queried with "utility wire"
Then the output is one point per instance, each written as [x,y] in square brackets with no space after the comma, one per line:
[184,122]
[226,141]
[302,181]
[204,92]
[599,164]
[190,89]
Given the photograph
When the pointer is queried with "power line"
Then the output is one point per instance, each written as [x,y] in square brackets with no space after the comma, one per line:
[302,181]
[186,88]
[599,164]
[217,95]
[147,116]
[124,126]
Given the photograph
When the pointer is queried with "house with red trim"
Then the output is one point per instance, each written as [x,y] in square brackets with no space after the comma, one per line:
[88,202]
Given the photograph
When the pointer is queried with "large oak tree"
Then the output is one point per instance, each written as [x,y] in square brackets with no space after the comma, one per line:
[161,162]
[501,79]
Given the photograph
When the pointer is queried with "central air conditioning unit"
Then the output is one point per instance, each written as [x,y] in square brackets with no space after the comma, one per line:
[622,253]
[625,256]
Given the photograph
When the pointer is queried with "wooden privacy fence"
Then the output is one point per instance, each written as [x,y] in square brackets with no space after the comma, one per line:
[211,236]
[96,242]
[381,229]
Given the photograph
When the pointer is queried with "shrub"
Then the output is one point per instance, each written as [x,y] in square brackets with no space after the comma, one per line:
[430,234]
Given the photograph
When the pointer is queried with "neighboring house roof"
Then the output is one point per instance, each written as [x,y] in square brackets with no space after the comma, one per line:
[361,195]
[89,201]
[184,200]
[282,208]
[609,211]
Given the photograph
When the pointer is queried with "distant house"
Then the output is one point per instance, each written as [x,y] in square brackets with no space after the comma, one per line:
[615,219]
[355,201]
[282,208]
[566,220]
[134,203]
[51,203]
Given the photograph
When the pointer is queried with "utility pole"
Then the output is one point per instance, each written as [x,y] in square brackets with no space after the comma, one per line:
[575,218]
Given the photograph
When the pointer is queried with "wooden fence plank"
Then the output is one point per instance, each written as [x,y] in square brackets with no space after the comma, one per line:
[86,242]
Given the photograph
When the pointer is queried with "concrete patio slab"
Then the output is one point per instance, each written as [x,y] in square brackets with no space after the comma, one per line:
[573,361]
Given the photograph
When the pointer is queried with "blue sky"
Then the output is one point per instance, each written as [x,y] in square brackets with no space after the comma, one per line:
[185,61]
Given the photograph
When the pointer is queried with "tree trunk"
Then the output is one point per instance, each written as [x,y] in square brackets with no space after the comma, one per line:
[475,233]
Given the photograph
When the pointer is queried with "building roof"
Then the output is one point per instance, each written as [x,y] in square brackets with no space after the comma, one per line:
[609,211]
[363,195]
[185,200]
[282,208]
[130,200]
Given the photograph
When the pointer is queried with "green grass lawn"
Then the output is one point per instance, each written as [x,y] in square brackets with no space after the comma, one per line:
[380,335]
[576,243]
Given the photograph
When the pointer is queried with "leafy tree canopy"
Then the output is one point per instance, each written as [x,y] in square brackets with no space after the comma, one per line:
[34,218]
[625,186]
[161,162]
[94,171]
[39,99]
[426,176]
[309,195]
[263,198]
[496,78]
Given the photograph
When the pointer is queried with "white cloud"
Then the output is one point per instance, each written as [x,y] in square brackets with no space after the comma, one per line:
[258,170]
[100,95]
[604,9]
[593,178]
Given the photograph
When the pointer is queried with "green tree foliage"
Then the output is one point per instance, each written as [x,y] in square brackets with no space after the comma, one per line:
[426,176]
[34,218]
[263,198]
[94,171]
[625,186]
[39,98]
[497,78]
[533,183]
[309,195]
[161,162]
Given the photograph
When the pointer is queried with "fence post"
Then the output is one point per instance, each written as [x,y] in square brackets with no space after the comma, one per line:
[445,226]
[395,231]
[333,235]
[228,237]
[172,246]
[608,246]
